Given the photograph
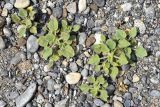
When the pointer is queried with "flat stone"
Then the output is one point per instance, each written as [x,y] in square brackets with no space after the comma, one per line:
[8,6]
[4,12]
[82,38]
[73,67]
[98,102]
[73,78]
[135,78]
[138,23]
[7,32]
[97,36]
[106,105]
[32,45]
[150,12]
[22,3]
[57,12]
[50,84]
[117,104]
[25,97]
[2,103]
[155,93]
[2,43]
[40,99]
[126,6]
[48,105]
[84,72]
[25,65]
[99,3]
[72,8]
[82,5]
[90,41]
[62,103]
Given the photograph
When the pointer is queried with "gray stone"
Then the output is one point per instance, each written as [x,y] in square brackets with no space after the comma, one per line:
[84,72]
[82,5]
[22,3]
[17,58]
[48,105]
[73,67]
[7,32]
[82,38]
[157,31]
[98,102]
[90,23]
[138,23]
[50,84]
[57,12]
[2,43]
[13,95]
[99,3]
[127,103]
[158,54]
[25,97]
[2,21]
[125,67]
[62,103]
[126,6]
[40,99]
[2,103]
[32,45]
[111,89]
[72,8]
[154,80]
[8,6]
[150,13]
[155,93]
[127,96]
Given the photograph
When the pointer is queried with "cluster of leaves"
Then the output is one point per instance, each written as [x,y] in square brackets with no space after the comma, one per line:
[116,51]
[96,86]
[58,40]
[25,19]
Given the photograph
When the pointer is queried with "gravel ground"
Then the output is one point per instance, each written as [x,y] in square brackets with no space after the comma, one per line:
[27,81]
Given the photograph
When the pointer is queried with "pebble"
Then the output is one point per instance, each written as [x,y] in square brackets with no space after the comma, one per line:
[98,102]
[135,78]
[154,80]
[155,93]
[57,12]
[127,103]
[126,7]
[138,23]
[2,21]
[82,38]
[72,8]
[47,68]
[2,103]
[32,45]
[82,5]
[97,36]
[73,78]
[125,67]
[150,13]
[117,104]
[62,103]
[158,54]
[99,3]
[90,23]
[127,96]
[25,97]
[111,89]
[22,3]
[8,6]
[50,84]
[90,41]
[17,58]
[106,105]
[84,72]
[40,99]
[7,32]
[157,31]
[48,105]
[2,43]
[73,67]
[4,12]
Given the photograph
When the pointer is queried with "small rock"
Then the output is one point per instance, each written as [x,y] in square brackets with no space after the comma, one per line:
[32,45]
[21,42]
[99,3]
[73,67]
[72,8]
[7,32]
[25,65]
[125,67]
[135,78]
[90,41]
[62,103]
[25,97]
[2,43]
[154,80]
[47,68]
[157,31]
[50,84]
[106,105]
[126,7]
[127,103]
[2,103]
[84,72]
[73,78]
[48,105]
[2,21]
[97,36]
[155,93]
[90,23]
[158,54]
[82,38]
[150,13]
[94,7]
[8,6]
[40,99]
[111,89]
[98,102]
[138,23]
[4,12]
[57,12]
[22,3]
[17,58]
[82,5]
[117,104]
[127,96]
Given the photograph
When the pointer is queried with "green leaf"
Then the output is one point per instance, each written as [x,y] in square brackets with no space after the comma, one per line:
[100,79]
[68,51]
[97,48]
[103,38]
[122,59]
[84,88]
[54,57]
[15,18]
[111,44]
[94,60]
[65,36]
[76,28]
[27,22]
[106,67]
[64,24]
[133,32]
[91,79]
[22,31]
[33,29]
[97,68]
[114,72]
[123,43]
[120,34]
[110,57]
[42,41]
[94,92]
[128,52]
[50,38]
[22,13]
[104,48]
[53,24]
[103,95]
[141,52]
[47,52]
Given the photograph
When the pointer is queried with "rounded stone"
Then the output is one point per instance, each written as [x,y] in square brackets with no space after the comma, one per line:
[73,78]
[22,3]
[2,21]
[32,44]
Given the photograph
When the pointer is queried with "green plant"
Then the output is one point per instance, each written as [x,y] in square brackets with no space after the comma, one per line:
[116,51]
[25,18]
[58,40]
[96,86]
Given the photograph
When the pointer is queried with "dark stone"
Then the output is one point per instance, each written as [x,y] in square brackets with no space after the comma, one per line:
[99,3]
